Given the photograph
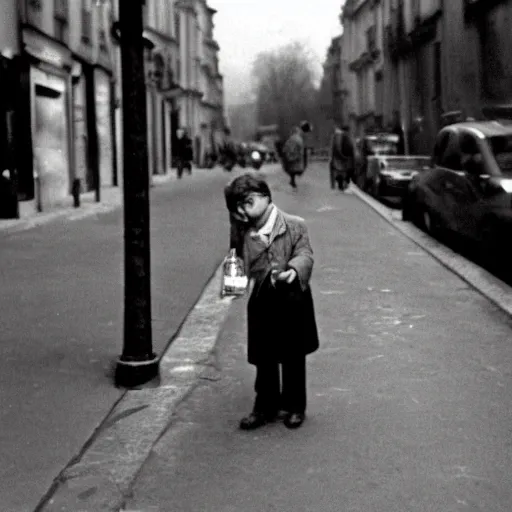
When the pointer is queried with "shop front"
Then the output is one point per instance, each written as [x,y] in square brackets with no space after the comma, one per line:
[8,164]
[50,137]
[50,107]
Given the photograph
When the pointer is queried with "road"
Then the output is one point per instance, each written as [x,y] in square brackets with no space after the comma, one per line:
[408,395]
[61,322]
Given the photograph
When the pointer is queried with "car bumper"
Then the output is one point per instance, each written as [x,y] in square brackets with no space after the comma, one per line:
[394,187]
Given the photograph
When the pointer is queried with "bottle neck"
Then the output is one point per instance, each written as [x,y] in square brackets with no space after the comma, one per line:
[232,253]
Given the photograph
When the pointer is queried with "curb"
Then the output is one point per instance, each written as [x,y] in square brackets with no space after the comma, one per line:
[88,207]
[495,290]
[100,477]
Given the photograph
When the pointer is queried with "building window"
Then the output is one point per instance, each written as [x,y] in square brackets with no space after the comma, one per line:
[61,20]
[371,38]
[86,21]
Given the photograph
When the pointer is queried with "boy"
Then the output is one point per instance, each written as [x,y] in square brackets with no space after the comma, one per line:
[281,319]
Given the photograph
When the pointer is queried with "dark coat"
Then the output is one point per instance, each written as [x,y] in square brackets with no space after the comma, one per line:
[184,149]
[281,318]
[342,154]
[293,155]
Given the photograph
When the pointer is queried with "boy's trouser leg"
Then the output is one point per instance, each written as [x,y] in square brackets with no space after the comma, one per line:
[267,387]
[294,385]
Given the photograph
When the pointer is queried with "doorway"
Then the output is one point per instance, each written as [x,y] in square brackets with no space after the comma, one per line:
[50,139]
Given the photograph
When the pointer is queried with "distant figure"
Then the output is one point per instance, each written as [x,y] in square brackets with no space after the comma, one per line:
[306,128]
[293,155]
[342,158]
[184,151]
[397,129]
[278,144]
[228,151]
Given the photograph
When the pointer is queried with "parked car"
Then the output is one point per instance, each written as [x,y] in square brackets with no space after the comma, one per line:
[372,145]
[389,176]
[468,190]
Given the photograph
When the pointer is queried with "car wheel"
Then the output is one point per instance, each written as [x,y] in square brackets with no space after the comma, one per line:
[490,253]
[407,211]
[426,219]
[429,223]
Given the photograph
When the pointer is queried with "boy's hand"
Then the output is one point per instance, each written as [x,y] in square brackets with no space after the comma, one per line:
[288,276]
[240,216]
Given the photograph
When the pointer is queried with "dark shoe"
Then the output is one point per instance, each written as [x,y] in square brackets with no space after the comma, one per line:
[294,420]
[282,415]
[255,420]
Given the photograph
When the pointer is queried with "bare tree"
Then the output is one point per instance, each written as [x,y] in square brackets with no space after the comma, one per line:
[284,86]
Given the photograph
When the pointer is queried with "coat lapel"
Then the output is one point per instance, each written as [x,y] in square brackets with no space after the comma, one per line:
[254,248]
[279,227]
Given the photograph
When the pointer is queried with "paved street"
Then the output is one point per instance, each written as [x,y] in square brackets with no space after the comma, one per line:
[408,395]
[61,322]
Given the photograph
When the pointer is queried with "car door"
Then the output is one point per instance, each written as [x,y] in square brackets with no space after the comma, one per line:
[450,188]
[488,198]
[477,200]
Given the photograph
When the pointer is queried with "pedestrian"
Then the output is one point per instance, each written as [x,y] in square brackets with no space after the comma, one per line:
[293,155]
[306,128]
[342,158]
[228,151]
[184,151]
[398,129]
[281,319]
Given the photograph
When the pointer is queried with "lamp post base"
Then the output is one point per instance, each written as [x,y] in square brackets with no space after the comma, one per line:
[130,374]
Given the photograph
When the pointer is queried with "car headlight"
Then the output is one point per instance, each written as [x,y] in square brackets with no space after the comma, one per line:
[255,155]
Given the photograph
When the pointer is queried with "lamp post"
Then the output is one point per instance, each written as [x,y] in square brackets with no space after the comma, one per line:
[138,363]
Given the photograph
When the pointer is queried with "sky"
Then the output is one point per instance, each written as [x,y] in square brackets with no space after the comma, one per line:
[243,28]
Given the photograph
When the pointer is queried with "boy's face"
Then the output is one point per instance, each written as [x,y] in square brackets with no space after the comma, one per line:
[253,207]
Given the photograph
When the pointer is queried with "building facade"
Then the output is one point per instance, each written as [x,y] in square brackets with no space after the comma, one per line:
[183,84]
[426,63]
[362,47]
[201,100]
[67,63]
[60,78]
[161,62]
[10,100]
[212,115]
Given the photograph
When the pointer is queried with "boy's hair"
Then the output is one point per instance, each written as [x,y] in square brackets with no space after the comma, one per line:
[238,190]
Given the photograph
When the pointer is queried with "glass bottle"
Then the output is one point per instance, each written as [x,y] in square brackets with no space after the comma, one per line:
[234,280]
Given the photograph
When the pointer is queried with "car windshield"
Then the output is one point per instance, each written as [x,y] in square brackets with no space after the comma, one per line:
[382,147]
[502,149]
[408,163]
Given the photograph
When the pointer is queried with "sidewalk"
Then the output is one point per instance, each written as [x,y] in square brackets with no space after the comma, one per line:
[61,323]
[110,199]
[408,394]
